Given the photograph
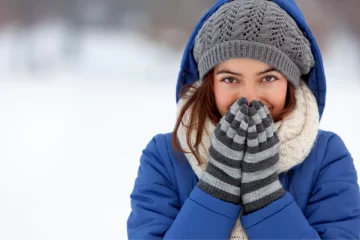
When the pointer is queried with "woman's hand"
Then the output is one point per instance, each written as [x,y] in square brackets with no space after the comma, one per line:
[222,177]
[260,183]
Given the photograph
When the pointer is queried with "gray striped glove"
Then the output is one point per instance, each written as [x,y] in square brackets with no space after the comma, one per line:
[222,177]
[260,183]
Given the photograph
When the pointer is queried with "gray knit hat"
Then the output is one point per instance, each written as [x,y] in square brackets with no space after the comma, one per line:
[255,29]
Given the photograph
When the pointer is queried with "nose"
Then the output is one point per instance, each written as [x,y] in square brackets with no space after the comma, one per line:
[249,92]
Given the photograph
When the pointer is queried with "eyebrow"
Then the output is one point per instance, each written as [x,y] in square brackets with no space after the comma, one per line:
[222,71]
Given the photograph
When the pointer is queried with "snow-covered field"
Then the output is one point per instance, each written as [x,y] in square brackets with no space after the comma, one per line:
[71,139]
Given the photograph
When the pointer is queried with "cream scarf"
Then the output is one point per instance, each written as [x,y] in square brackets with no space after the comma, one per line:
[297,134]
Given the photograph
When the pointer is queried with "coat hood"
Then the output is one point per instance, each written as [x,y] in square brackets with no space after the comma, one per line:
[317,82]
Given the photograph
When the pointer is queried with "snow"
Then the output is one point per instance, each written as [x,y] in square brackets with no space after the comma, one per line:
[71,137]
[70,155]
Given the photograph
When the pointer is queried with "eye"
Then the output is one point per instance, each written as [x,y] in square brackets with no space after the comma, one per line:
[229,80]
[269,79]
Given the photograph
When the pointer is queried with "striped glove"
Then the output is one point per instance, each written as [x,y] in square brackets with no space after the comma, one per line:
[222,177]
[260,183]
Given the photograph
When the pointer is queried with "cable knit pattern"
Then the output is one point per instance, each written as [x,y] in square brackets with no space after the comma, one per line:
[255,29]
[297,134]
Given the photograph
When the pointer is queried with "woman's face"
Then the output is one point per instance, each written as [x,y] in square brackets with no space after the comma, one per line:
[254,80]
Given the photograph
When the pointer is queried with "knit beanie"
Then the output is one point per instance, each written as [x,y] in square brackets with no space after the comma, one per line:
[255,29]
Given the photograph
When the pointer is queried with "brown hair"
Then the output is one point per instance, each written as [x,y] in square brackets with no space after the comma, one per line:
[201,100]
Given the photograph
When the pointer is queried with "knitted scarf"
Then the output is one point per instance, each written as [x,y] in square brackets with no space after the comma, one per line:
[297,133]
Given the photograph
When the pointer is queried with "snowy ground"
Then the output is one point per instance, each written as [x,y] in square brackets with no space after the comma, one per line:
[71,142]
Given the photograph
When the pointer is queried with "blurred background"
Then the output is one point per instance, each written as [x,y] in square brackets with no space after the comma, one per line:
[86,84]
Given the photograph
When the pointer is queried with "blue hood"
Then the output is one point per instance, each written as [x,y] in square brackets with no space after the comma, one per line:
[317,82]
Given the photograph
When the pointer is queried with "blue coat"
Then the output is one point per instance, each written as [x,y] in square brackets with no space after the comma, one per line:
[322,197]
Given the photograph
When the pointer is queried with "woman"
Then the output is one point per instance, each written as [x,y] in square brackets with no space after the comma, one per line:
[246,158]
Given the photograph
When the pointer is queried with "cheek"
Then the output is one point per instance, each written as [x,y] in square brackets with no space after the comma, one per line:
[224,99]
[278,100]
